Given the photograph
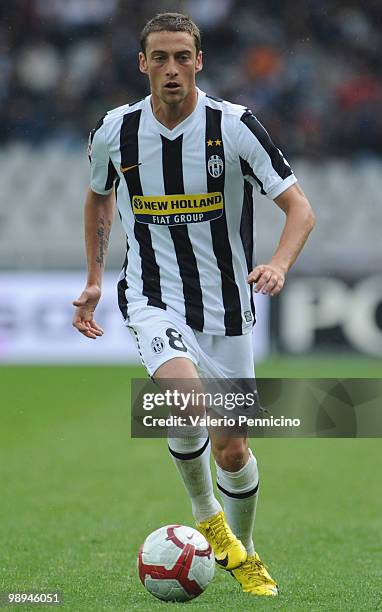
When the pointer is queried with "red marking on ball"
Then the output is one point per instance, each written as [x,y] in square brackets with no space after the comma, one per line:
[178,572]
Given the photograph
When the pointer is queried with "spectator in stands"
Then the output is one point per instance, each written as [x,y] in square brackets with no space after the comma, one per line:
[62,64]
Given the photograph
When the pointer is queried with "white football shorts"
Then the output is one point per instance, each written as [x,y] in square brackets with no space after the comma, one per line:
[161,335]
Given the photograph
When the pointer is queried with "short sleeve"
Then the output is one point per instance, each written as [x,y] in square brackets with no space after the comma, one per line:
[102,174]
[262,163]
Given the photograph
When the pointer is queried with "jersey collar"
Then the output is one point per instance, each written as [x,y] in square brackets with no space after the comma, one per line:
[177,130]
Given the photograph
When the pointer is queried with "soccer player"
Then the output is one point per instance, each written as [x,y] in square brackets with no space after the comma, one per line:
[184,168]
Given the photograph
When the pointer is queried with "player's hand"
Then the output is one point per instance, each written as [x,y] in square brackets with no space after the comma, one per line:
[269,279]
[83,315]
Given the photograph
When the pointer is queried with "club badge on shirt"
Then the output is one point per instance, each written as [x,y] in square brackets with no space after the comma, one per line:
[215,166]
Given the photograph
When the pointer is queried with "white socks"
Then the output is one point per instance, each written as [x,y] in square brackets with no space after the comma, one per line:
[239,491]
[191,455]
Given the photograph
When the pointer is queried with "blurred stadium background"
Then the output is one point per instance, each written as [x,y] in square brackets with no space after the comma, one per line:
[311,71]
[77,495]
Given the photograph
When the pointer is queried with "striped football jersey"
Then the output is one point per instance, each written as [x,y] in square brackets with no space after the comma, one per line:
[185,199]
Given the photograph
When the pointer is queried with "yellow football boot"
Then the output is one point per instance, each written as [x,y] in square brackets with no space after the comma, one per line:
[254,577]
[228,550]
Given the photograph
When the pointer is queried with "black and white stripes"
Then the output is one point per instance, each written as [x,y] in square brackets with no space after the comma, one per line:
[189,455]
[172,164]
[219,232]
[129,149]
[185,201]
[244,495]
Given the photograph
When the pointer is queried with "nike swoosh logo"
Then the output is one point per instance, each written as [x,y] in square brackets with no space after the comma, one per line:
[223,562]
[130,167]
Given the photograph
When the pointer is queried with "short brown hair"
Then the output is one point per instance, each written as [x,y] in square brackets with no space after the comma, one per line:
[171,22]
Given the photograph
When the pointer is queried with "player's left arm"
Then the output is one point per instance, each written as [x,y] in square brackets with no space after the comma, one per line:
[265,167]
[270,277]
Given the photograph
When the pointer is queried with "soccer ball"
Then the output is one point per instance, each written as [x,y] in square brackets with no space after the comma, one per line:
[176,563]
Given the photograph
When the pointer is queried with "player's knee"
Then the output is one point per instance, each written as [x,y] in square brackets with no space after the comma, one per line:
[231,454]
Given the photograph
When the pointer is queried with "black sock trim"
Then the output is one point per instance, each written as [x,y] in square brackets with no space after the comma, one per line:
[239,495]
[187,456]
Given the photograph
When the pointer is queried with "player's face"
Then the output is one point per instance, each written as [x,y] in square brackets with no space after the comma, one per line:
[171,63]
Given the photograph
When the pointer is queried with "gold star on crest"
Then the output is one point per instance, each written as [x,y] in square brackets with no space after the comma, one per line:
[210,143]
[218,142]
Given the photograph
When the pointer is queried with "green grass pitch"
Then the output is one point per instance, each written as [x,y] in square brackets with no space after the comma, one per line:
[78,497]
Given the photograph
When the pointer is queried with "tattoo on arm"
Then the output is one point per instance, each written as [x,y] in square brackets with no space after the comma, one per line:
[103,233]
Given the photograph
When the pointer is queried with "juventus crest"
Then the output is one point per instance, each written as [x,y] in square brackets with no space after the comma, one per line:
[215,166]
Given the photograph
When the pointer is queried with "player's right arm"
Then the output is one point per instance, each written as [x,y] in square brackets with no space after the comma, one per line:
[99,214]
